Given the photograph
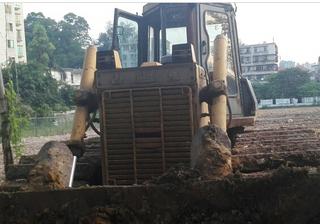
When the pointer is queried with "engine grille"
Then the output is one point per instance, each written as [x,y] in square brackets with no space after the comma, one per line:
[146,131]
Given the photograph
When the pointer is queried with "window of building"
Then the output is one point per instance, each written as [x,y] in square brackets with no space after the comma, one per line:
[10,27]
[246,60]
[8,9]
[259,68]
[245,50]
[17,7]
[18,20]
[260,49]
[19,35]
[271,57]
[20,51]
[10,43]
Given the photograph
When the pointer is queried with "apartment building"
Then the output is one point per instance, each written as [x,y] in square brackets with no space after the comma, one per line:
[129,54]
[286,64]
[12,34]
[259,60]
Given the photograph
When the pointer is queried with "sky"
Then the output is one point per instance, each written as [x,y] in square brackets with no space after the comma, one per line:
[294,27]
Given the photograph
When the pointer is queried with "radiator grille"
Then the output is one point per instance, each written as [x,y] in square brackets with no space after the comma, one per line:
[146,131]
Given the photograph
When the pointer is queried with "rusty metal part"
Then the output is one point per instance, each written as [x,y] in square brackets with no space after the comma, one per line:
[214,89]
[86,98]
[146,131]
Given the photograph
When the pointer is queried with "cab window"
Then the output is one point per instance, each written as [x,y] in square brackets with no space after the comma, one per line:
[151,43]
[176,35]
[216,23]
[128,42]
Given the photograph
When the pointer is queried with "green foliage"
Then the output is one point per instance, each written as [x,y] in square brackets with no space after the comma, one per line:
[77,27]
[17,119]
[40,49]
[49,24]
[290,83]
[49,44]
[310,89]
[67,94]
[68,36]
[105,39]
[39,92]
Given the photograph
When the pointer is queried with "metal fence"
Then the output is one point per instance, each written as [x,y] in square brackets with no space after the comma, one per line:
[48,126]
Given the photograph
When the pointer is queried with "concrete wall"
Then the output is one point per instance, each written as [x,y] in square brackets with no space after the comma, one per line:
[68,75]
[288,102]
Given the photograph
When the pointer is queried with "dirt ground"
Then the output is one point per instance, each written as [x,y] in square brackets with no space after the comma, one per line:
[278,119]
[32,145]
[288,117]
[267,190]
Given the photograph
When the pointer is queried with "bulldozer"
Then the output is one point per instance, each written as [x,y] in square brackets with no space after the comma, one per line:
[154,91]
[169,99]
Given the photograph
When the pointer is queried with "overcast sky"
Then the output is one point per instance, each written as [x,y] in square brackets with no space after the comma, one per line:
[293,26]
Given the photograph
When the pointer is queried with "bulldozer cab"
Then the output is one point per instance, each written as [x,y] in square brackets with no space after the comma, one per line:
[151,37]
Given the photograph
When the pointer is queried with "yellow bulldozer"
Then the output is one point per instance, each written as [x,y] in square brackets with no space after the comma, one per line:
[160,84]
[168,98]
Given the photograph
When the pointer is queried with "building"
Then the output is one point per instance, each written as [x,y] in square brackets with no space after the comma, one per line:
[315,71]
[12,35]
[259,60]
[129,54]
[283,65]
[70,76]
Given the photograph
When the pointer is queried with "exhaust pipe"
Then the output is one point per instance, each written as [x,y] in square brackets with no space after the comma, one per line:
[81,115]
[218,110]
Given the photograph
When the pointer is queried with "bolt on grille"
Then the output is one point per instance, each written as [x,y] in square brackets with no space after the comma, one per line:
[146,131]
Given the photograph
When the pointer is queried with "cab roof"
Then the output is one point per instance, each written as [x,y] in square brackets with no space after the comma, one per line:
[152,6]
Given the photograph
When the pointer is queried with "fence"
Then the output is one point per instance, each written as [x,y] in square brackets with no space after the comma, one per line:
[48,126]
[289,102]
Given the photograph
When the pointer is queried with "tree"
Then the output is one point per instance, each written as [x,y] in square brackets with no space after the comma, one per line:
[284,84]
[69,36]
[261,90]
[39,90]
[67,94]
[77,27]
[311,88]
[49,24]
[105,39]
[40,49]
